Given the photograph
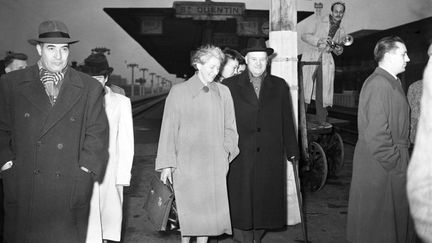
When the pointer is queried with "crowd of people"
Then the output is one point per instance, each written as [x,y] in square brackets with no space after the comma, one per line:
[67,143]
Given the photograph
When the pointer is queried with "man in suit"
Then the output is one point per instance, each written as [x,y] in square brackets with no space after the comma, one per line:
[53,143]
[267,137]
[378,206]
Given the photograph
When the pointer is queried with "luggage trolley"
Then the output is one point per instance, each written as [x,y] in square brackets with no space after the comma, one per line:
[322,147]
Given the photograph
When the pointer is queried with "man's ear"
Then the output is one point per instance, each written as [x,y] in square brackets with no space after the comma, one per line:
[39,49]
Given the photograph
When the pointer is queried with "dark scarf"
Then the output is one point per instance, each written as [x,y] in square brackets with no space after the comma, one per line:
[334,26]
[51,81]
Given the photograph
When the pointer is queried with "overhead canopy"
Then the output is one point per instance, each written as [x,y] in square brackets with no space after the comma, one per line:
[170,34]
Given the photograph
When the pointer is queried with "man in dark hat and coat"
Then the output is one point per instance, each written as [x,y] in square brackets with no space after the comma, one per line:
[267,138]
[96,65]
[53,143]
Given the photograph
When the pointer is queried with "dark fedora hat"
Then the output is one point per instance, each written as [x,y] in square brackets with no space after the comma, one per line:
[257,44]
[96,65]
[53,31]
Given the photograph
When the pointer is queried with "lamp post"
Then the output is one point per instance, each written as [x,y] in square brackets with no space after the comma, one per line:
[163,84]
[152,81]
[160,83]
[132,66]
[170,84]
[157,83]
[142,90]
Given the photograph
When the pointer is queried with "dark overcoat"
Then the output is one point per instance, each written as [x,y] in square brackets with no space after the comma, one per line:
[47,195]
[257,177]
[378,206]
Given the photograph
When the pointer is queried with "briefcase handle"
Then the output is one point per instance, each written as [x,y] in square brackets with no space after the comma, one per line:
[170,186]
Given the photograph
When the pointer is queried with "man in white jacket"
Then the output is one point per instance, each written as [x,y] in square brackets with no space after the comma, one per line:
[318,36]
[106,215]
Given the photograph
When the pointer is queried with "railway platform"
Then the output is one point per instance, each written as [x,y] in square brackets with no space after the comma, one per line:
[325,210]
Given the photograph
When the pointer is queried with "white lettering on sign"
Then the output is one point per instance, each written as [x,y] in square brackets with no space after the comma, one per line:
[203,10]
[220,10]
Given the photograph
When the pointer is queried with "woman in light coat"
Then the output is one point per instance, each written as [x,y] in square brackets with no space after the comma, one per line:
[106,205]
[198,139]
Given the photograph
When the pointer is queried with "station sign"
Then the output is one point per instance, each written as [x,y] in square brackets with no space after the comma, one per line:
[208,10]
[225,39]
[253,27]
[151,25]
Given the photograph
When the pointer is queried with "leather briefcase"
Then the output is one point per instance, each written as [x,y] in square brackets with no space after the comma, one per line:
[159,203]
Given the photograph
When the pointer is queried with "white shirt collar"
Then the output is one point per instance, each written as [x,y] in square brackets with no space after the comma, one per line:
[389,72]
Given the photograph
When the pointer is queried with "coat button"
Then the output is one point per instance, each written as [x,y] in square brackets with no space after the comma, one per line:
[26,115]
[36,172]
[72,119]
[60,146]
[57,174]
[258,149]
[258,129]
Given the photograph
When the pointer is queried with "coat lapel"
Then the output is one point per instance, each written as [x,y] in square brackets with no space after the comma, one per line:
[247,90]
[70,93]
[33,90]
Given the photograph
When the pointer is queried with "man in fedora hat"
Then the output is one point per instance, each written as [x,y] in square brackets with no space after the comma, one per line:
[265,123]
[53,143]
[106,205]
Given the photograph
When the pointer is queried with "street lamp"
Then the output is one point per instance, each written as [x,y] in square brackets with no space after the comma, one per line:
[163,84]
[157,83]
[132,66]
[170,84]
[142,89]
[152,80]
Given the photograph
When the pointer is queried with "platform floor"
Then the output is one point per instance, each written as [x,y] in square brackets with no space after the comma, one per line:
[325,210]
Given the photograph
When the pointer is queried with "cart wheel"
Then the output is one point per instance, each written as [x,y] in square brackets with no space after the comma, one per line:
[335,154]
[318,167]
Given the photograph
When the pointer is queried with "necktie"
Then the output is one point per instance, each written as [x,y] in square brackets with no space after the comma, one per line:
[51,82]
